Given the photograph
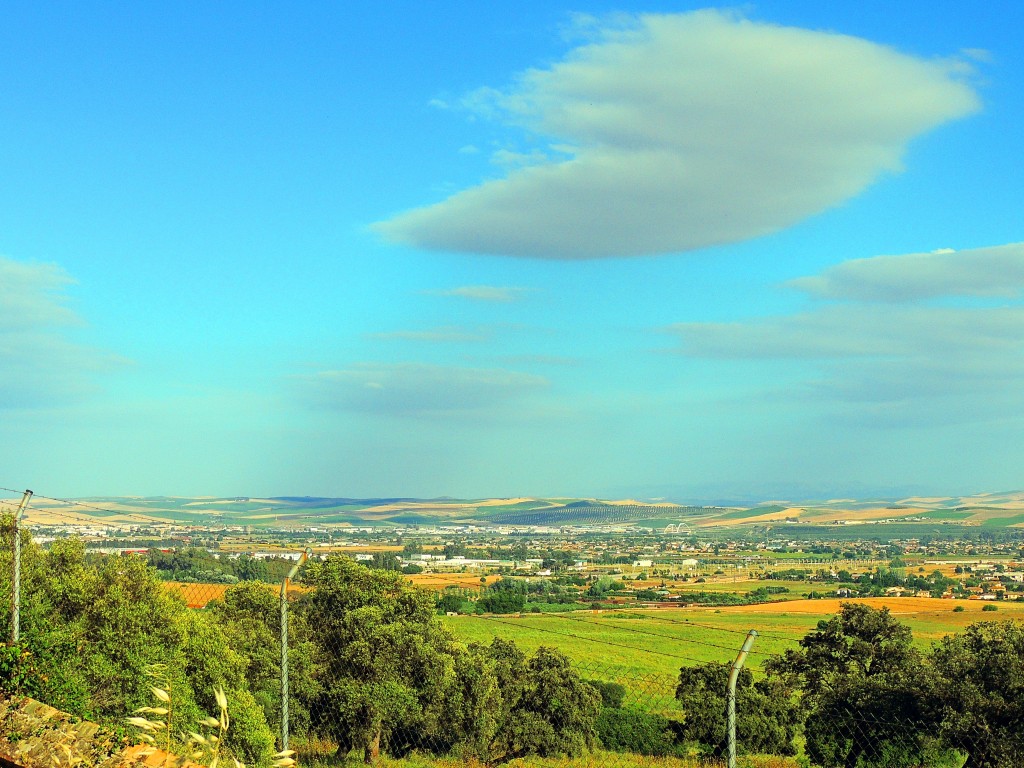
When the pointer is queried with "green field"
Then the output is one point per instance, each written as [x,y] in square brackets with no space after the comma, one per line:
[651,645]
[637,644]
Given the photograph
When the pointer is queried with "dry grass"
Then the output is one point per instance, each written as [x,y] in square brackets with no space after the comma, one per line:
[596,759]
[438,581]
[196,595]
[200,595]
[898,606]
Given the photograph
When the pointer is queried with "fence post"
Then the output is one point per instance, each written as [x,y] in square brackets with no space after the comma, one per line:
[284,646]
[16,585]
[733,677]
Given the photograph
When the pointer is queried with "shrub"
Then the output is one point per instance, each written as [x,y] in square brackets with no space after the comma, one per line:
[632,730]
[502,602]
[990,607]
[612,694]
[18,672]
[958,609]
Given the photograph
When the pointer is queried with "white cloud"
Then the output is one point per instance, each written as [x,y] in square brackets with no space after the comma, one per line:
[548,360]
[690,130]
[418,389]
[489,293]
[996,271]
[877,348]
[31,296]
[448,333]
[39,364]
[855,331]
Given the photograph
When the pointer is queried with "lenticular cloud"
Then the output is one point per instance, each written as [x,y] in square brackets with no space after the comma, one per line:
[682,131]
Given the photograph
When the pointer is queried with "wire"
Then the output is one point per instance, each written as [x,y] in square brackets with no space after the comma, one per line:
[653,634]
[54,513]
[140,516]
[76,521]
[690,623]
[103,509]
[48,511]
[592,640]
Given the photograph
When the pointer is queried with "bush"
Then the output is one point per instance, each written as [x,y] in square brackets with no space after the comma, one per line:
[249,737]
[612,694]
[453,603]
[502,602]
[990,607]
[18,672]
[958,609]
[632,730]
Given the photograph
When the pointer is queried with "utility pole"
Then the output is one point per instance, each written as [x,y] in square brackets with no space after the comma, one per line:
[733,677]
[16,591]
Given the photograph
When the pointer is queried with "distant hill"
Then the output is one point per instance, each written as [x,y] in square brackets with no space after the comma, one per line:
[1003,509]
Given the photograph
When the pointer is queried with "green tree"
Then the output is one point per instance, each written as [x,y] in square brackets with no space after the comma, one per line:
[981,696]
[93,627]
[502,601]
[249,613]
[545,708]
[863,689]
[209,662]
[452,603]
[384,660]
[765,718]
[248,568]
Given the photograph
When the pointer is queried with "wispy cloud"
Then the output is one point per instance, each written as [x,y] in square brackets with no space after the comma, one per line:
[877,344]
[444,334]
[997,271]
[545,360]
[32,296]
[857,331]
[40,365]
[489,293]
[689,130]
[418,389]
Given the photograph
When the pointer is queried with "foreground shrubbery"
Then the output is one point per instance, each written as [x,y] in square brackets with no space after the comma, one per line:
[371,667]
[92,627]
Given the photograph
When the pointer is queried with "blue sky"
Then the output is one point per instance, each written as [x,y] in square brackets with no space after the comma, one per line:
[670,250]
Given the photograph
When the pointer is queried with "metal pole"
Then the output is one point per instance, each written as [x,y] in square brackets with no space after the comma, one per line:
[733,677]
[284,646]
[16,590]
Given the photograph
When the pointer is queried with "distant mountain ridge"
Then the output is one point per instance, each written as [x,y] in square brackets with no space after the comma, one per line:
[1002,509]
